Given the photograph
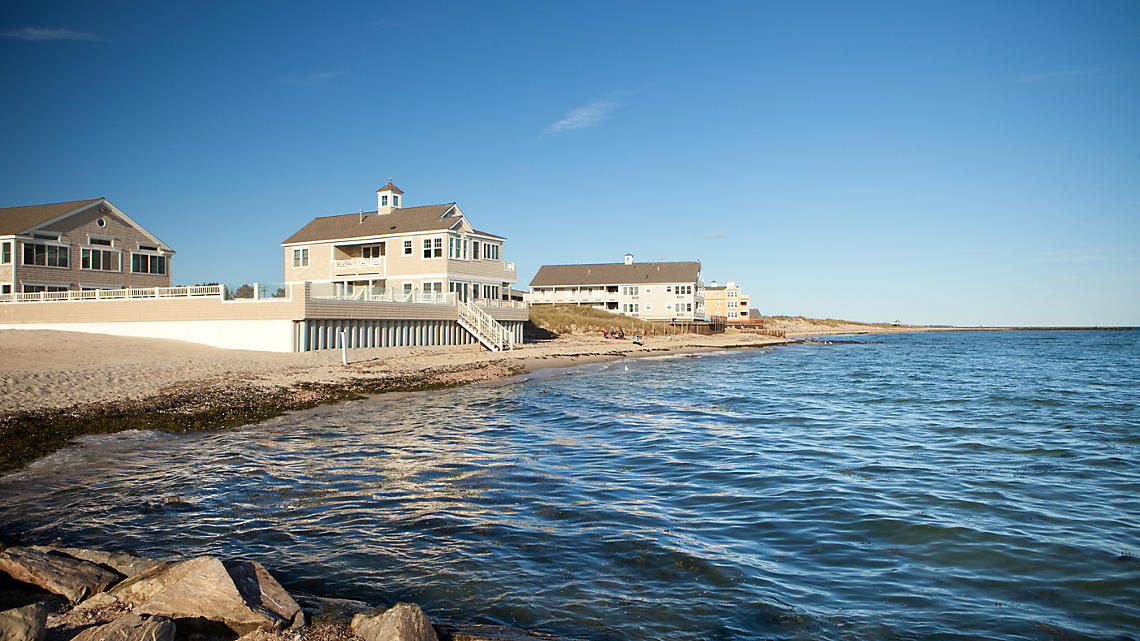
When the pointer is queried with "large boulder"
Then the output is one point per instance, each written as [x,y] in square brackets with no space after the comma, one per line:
[28,623]
[131,627]
[401,622]
[126,564]
[74,579]
[242,595]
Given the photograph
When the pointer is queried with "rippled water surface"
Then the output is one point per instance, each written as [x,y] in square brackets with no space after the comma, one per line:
[952,485]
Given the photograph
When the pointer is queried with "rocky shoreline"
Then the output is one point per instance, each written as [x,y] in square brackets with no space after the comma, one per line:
[54,593]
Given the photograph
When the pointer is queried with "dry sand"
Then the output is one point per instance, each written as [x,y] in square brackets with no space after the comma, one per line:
[50,369]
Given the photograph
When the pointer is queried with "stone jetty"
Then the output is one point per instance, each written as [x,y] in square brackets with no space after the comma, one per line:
[50,593]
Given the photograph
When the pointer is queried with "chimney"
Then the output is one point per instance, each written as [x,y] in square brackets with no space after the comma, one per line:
[629,259]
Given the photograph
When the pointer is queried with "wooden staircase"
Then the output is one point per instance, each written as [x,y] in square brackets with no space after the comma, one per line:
[487,330]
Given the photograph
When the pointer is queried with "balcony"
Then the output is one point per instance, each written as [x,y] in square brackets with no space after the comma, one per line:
[361,266]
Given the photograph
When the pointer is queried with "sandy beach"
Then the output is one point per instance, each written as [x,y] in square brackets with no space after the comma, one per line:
[49,369]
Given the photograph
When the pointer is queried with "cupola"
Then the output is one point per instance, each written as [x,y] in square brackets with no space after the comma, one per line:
[388,198]
[629,259]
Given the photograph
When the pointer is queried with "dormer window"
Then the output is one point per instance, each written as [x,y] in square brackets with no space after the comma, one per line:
[384,201]
[395,200]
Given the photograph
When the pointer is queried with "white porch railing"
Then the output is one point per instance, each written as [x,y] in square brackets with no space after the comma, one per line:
[489,332]
[357,263]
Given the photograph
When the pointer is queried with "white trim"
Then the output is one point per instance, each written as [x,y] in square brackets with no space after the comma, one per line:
[364,240]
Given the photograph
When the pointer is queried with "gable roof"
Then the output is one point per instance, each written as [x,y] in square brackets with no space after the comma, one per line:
[617,273]
[15,220]
[392,188]
[409,219]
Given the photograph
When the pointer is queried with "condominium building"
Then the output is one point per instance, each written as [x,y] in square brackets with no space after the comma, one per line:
[727,301]
[660,291]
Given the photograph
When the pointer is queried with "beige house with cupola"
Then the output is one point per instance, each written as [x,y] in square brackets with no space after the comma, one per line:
[428,250]
[79,245]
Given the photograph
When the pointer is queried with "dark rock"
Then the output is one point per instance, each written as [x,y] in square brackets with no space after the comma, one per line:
[401,622]
[242,595]
[326,611]
[131,627]
[125,564]
[28,623]
[55,572]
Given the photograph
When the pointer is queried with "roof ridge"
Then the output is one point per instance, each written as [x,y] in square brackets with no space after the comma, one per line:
[397,209]
[62,202]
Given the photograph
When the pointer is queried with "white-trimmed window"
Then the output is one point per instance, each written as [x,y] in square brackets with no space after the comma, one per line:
[628,290]
[733,315]
[433,248]
[631,308]
[100,259]
[147,263]
[44,253]
[384,200]
[433,287]
[490,251]
[5,289]
[407,247]
[395,200]
[5,252]
[408,288]
[684,290]
[301,257]
[372,251]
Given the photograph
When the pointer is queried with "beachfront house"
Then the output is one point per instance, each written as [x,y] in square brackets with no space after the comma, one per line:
[727,301]
[410,252]
[659,291]
[80,245]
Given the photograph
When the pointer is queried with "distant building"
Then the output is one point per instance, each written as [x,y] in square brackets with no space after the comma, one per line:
[431,249]
[78,245]
[659,291]
[727,301]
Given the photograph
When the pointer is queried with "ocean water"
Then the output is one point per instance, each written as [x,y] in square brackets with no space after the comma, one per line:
[960,485]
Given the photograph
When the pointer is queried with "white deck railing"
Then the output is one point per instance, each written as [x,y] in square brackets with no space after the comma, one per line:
[190,291]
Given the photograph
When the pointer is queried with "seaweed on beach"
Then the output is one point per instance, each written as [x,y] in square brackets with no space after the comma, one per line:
[31,434]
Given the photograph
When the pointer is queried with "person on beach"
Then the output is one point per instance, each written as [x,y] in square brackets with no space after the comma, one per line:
[637,340]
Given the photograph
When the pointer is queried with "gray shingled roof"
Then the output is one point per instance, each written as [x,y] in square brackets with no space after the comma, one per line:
[616,274]
[392,188]
[410,219]
[14,220]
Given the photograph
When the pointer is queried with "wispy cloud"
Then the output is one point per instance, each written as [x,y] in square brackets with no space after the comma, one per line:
[34,34]
[590,115]
[716,234]
[312,79]
[1056,74]
[1076,256]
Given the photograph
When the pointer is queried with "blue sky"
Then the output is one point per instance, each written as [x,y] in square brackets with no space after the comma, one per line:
[965,163]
